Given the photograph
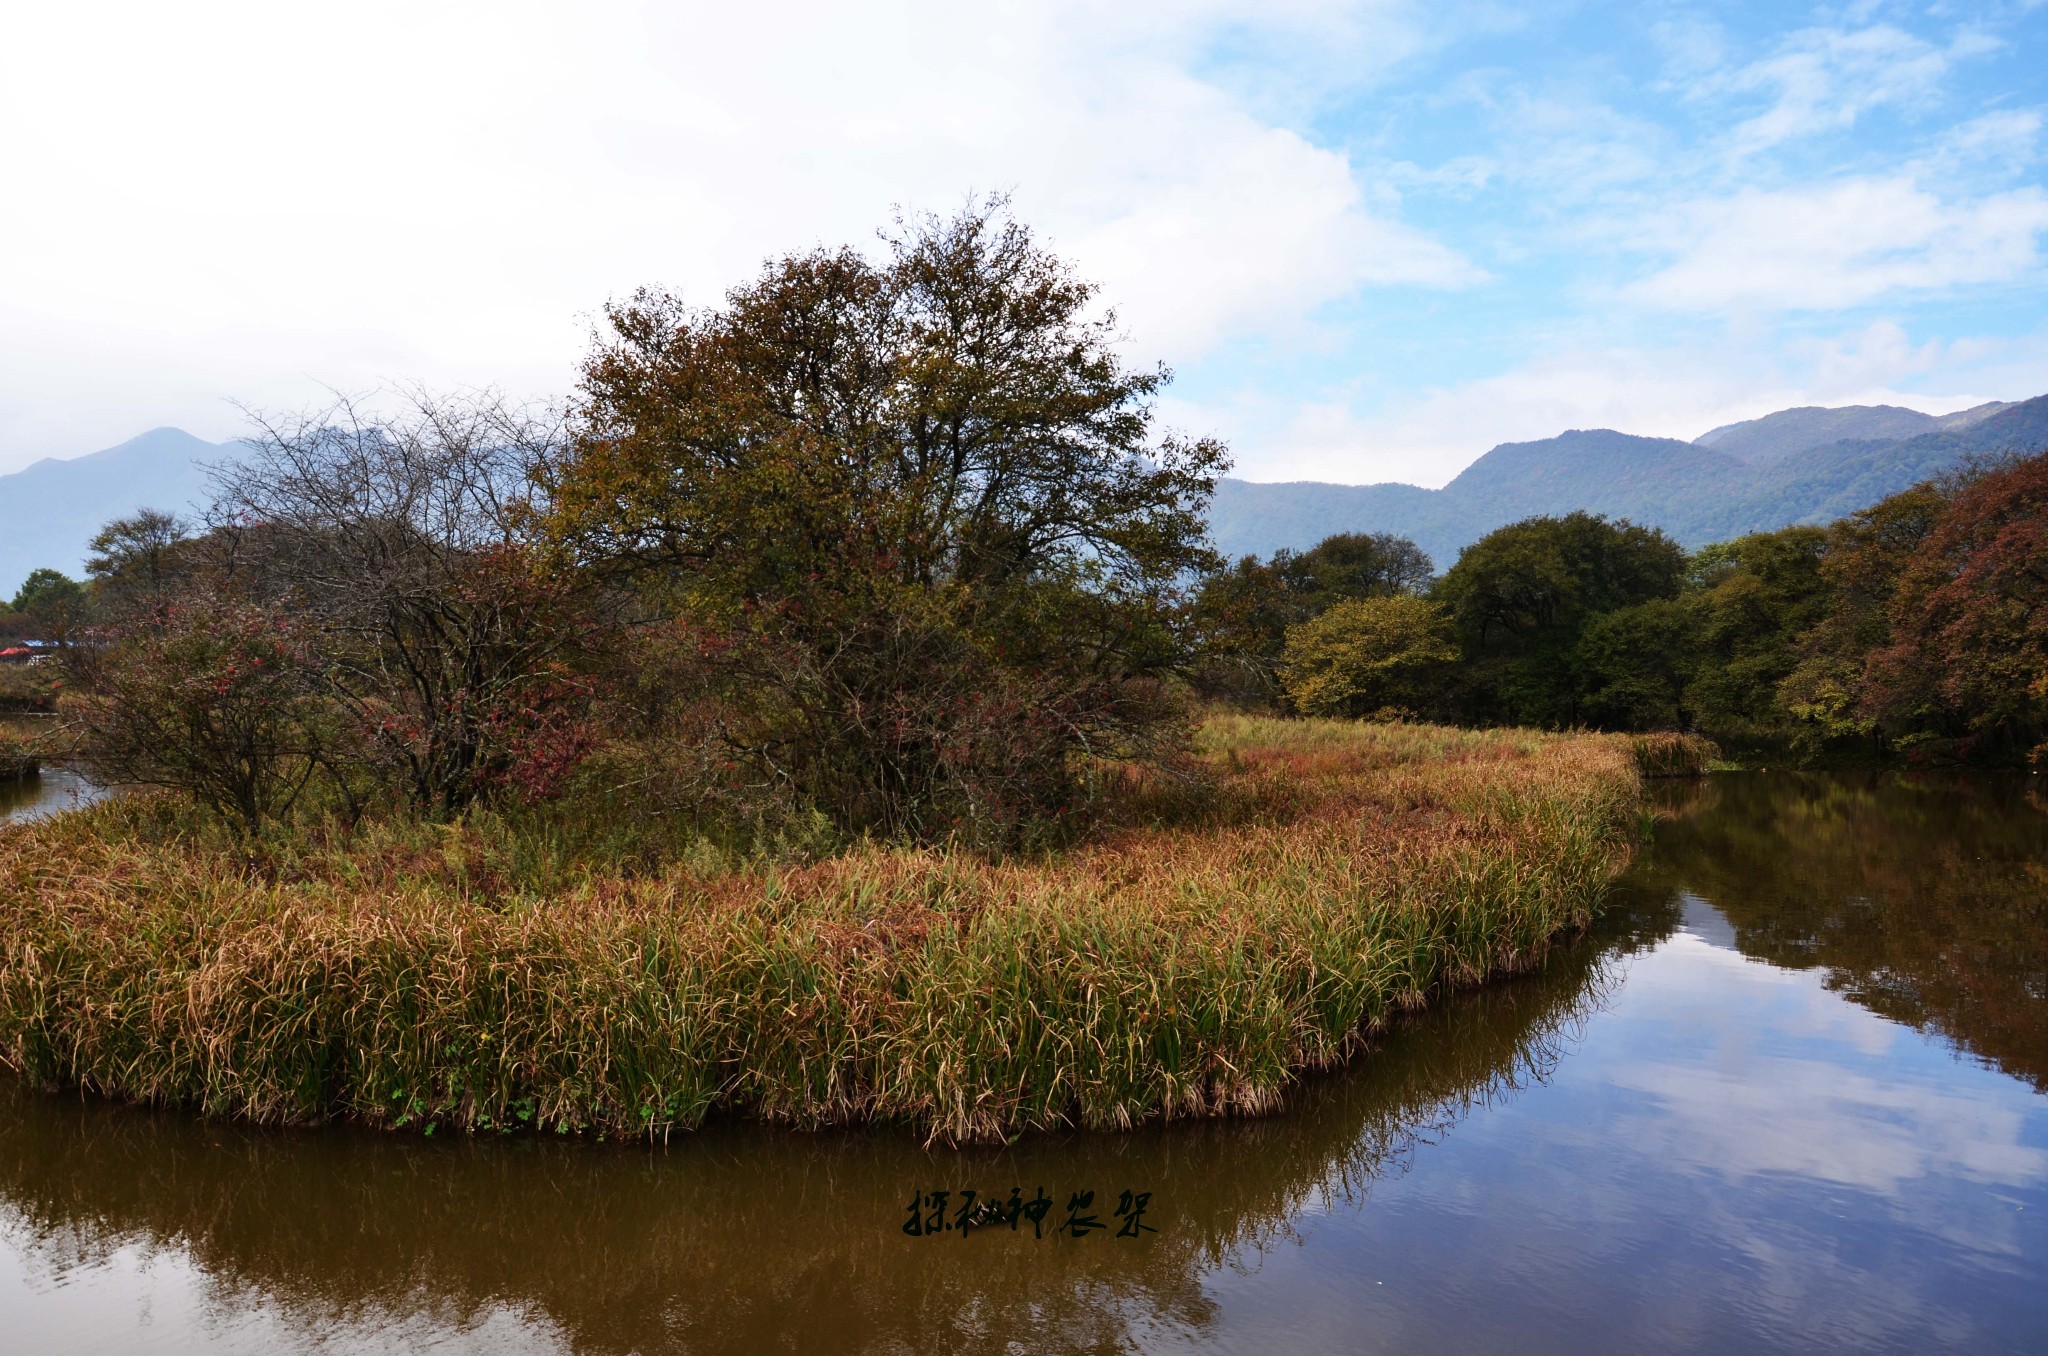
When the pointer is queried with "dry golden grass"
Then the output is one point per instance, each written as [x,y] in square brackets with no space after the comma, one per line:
[1190,962]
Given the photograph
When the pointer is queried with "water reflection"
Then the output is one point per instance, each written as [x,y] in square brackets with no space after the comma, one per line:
[1658,1143]
[723,1239]
[54,789]
[1923,898]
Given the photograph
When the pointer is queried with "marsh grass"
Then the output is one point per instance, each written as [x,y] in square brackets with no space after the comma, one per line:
[1674,755]
[27,687]
[1213,939]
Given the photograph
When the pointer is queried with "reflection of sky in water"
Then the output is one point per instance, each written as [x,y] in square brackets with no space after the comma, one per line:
[167,1304]
[1733,1159]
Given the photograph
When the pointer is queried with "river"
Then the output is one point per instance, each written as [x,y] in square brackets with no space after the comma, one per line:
[54,788]
[1788,1097]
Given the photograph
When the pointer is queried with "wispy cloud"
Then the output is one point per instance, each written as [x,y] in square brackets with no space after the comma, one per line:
[1837,245]
[1824,79]
[1373,235]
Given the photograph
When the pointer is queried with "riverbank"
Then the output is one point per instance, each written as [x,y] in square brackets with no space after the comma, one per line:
[1192,962]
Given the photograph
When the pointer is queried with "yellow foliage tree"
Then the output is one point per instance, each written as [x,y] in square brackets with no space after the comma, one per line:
[1367,655]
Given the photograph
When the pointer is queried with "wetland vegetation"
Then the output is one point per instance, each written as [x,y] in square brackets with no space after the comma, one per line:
[1752,1053]
[1211,940]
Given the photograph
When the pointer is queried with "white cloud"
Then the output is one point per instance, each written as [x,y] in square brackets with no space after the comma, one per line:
[1739,1112]
[1834,245]
[238,199]
[1825,79]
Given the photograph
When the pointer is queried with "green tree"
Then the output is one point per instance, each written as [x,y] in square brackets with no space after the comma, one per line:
[1520,595]
[52,598]
[911,515]
[1354,565]
[1637,663]
[1753,601]
[1242,614]
[1366,655]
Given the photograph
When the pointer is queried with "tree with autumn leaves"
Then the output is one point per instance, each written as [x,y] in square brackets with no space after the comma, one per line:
[1967,656]
[894,541]
[889,540]
[910,521]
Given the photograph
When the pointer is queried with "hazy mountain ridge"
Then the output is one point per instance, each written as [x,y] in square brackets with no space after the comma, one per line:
[49,510]
[1794,466]
[1698,492]
[1797,430]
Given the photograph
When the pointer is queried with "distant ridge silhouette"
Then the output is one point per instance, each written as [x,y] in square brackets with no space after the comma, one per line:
[1785,468]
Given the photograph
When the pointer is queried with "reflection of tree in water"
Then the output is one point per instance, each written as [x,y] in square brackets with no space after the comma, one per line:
[740,1238]
[1923,898]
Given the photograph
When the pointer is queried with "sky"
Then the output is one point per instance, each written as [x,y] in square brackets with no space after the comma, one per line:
[1371,239]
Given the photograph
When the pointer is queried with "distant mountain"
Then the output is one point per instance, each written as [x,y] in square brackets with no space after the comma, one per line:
[1750,477]
[50,510]
[1780,435]
[1823,483]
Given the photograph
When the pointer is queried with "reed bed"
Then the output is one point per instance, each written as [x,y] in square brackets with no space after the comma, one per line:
[1192,959]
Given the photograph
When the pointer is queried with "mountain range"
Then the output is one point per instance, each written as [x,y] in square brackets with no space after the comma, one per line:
[1807,465]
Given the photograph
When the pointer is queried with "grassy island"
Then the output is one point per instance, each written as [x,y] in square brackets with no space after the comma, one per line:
[1211,941]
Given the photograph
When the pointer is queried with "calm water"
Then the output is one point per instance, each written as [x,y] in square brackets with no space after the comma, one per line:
[55,788]
[1790,1098]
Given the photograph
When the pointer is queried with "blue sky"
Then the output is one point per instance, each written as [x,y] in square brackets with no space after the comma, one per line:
[1373,239]
[1674,212]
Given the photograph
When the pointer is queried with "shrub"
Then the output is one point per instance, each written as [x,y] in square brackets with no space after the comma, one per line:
[19,757]
[211,697]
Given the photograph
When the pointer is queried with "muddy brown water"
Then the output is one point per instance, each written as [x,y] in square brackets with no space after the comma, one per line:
[1788,1097]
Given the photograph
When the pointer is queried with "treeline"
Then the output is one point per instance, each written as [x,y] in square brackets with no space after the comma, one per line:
[1917,627]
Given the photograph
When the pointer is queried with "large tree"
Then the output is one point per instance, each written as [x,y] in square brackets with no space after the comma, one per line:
[1521,595]
[912,513]
[1970,620]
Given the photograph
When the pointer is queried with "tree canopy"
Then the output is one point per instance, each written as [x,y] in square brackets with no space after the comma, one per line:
[913,514]
[1520,596]
[1365,656]
[50,597]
